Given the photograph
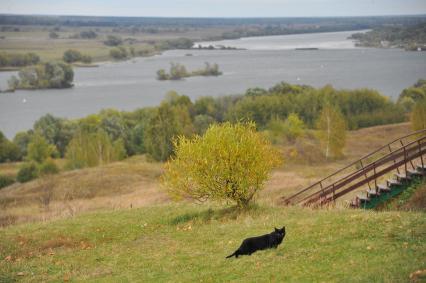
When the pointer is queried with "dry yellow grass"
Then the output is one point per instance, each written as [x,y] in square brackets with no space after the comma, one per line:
[134,182]
[9,169]
[131,183]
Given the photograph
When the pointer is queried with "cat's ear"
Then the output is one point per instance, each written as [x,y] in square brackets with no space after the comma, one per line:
[276,230]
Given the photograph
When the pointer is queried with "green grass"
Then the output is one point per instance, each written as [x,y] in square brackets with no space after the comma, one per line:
[187,243]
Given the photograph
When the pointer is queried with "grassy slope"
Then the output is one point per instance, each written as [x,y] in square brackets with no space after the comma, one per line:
[417,200]
[162,241]
[186,243]
[135,182]
[412,198]
[122,184]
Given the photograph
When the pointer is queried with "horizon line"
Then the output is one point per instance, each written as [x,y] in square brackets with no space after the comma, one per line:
[213,17]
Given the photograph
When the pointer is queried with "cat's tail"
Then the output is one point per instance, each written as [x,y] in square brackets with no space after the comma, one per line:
[234,254]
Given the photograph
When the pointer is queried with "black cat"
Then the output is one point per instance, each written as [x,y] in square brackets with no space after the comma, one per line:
[250,245]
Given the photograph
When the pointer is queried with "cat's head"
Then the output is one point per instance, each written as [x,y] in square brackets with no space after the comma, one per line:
[281,231]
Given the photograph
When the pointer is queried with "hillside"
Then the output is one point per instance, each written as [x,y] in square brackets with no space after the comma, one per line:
[118,225]
[186,243]
[134,182]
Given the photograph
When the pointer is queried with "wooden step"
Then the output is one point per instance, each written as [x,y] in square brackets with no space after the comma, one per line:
[414,173]
[393,182]
[383,188]
[421,168]
[402,177]
[372,193]
[363,198]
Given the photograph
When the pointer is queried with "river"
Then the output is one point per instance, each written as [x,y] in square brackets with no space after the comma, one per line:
[132,84]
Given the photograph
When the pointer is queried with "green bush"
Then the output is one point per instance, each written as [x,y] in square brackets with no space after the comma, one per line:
[86,59]
[119,53]
[113,40]
[72,55]
[8,150]
[18,60]
[39,149]
[28,172]
[53,35]
[6,181]
[48,167]
[90,34]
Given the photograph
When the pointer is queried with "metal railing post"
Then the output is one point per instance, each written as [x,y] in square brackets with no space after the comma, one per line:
[365,174]
[405,161]
[394,161]
[334,200]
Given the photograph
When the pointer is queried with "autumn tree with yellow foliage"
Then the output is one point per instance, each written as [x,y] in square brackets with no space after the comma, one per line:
[229,162]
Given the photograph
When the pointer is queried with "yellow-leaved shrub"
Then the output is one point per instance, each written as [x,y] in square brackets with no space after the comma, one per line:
[229,162]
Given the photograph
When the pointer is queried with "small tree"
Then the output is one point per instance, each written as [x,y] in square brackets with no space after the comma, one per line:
[8,150]
[118,53]
[71,56]
[293,127]
[332,131]
[93,149]
[39,149]
[418,116]
[162,75]
[53,35]
[56,131]
[113,40]
[229,162]
[168,122]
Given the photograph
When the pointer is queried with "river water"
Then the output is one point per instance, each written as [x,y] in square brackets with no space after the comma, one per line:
[132,84]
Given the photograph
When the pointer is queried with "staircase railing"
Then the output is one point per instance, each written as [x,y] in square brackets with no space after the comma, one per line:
[365,170]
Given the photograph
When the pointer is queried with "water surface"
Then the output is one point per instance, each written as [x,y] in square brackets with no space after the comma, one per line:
[324,40]
[132,84]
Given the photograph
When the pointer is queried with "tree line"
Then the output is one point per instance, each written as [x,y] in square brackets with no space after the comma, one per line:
[178,71]
[408,37]
[283,110]
[18,59]
[161,23]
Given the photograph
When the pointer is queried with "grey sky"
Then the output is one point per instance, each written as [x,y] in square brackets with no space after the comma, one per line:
[215,8]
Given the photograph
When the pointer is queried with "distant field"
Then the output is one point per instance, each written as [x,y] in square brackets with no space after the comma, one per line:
[36,39]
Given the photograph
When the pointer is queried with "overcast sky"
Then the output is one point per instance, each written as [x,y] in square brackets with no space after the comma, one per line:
[215,8]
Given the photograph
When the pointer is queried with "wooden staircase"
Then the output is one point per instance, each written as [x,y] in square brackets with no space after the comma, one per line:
[392,187]
[404,156]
